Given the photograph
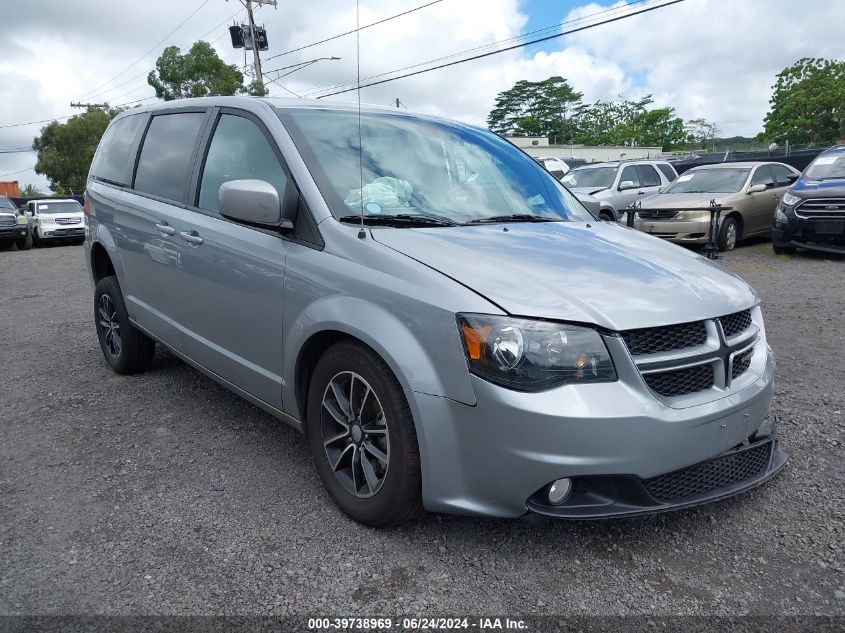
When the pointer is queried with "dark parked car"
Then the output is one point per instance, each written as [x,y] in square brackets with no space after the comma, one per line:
[811,213]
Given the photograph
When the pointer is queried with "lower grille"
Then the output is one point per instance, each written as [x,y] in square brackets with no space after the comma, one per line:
[708,476]
[680,382]
[741,363]
[663,339]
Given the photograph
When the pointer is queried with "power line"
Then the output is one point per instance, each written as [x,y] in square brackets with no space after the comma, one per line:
[366,26]
[509,48]
[515,38]
[16,150]
[20,171]
[144,56]
[67,116]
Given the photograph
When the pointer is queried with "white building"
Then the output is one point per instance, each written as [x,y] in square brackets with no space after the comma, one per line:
[539,147]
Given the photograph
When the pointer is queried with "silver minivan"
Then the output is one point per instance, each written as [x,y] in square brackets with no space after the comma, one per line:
[444,321]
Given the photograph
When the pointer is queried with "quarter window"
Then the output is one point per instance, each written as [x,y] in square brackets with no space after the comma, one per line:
[164,167]
[630,173]
[648,176]
[112,162]
[239,150]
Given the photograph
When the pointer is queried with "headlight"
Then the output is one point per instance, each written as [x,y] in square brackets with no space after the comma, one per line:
[790,200]
[692,215]
[21,219]
[780,216]
[531,355]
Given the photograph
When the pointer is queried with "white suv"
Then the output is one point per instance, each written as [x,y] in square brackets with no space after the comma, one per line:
[54,220]
[620,183]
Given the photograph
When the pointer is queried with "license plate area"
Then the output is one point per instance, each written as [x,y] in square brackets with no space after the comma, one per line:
[829,227]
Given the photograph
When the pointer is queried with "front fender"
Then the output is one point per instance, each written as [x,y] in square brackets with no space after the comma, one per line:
[424,355]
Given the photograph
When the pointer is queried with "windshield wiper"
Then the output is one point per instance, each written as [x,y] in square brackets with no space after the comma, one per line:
[400,219]
[515,217]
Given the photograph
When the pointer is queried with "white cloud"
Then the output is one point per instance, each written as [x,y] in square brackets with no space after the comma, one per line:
[707,58]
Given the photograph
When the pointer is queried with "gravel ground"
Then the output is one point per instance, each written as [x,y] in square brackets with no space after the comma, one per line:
[166,494]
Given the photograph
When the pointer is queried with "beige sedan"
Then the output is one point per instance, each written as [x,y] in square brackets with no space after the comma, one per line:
[752,189]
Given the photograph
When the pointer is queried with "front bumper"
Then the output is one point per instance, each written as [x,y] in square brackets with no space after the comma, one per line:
[492,458]
[17,232]
[61,233]
[679,231]
[804,233]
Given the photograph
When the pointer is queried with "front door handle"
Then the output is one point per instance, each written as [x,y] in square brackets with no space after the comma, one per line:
[641,193]
[191,237]
[165,229]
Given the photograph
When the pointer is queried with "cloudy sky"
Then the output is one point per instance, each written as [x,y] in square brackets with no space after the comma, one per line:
[708,58]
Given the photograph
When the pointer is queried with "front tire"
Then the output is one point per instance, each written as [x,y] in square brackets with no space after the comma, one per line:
[728,234]
[783,250]
[126,349]
[362,437]
[25,244]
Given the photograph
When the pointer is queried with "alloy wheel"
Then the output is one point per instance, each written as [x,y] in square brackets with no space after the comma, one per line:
[730,238]
[354,433]
[110,326]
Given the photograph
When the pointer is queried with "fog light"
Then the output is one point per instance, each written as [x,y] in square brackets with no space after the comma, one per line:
[559,491]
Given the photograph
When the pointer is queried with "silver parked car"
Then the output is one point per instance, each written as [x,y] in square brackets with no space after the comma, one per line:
[620,183]
[449,327]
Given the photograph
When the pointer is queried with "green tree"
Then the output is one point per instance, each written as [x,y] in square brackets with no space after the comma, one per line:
[536,108]
[198,73]
[626,122]
[701,132]
[31,191]
[808,103]
[65,150]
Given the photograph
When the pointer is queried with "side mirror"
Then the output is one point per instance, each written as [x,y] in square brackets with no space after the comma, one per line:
[626,184]
[756,188]
[792,177]
[253,202]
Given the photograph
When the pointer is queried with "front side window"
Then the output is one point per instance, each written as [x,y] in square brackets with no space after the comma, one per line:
[113,160]
[783,175]
[763,176]
[238,151]
[716,180]
[411,166]
[164,166]
[630,174]
[591,177]
[667,171]
[827,166]
[648,176]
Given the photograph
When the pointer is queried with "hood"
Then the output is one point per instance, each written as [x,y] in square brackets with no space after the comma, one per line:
[600,273]
[590,191]
[687,200]
[818,188]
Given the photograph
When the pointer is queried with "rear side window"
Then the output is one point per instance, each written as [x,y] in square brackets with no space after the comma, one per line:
[648,176]
[164,166]
[113,161]
[630,173]
[667,171]
[238,150]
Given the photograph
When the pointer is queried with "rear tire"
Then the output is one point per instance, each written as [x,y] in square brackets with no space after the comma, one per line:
[783,250]
[369,421]
[728,234]
[126,349]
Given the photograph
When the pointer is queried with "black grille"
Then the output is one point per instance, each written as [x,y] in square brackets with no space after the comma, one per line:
[8,220]
[680,382]
[664,339]
[735,323]
[741,363]
[709,476]
[657,214]
[821,208]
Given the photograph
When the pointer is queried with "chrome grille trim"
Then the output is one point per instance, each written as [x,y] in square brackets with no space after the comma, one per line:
[8,220]
[817,209]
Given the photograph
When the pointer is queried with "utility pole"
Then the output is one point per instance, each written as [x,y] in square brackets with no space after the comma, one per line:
[397,102]
[256,57]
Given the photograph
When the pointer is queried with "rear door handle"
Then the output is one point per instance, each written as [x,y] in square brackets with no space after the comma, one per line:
[191,237]
[165,229]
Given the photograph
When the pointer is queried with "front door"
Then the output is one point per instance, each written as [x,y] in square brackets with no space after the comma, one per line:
[762,208]
[232,275]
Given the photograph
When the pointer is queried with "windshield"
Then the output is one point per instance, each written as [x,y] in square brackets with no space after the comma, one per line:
[829,166]
[709,181]
[67,206]
[591,177]
[5,203]
[414,167]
